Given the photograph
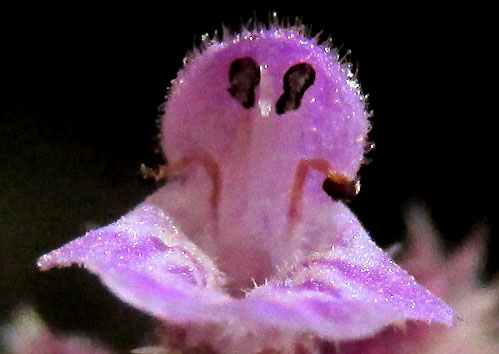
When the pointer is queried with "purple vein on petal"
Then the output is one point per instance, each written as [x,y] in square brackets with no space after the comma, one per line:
[147,262]
[352,290]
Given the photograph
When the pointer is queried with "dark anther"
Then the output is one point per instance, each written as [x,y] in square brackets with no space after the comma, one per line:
[296,81]
[244,76]
[340,187]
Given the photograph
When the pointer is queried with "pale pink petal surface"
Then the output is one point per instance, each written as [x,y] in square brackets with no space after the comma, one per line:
[145,260]
[454,277]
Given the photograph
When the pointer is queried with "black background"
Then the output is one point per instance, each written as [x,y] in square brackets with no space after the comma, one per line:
[80,86]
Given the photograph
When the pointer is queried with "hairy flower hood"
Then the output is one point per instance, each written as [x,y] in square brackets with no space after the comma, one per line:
[243,240]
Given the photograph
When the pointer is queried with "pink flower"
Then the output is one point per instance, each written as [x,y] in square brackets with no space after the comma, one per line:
[248,248]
